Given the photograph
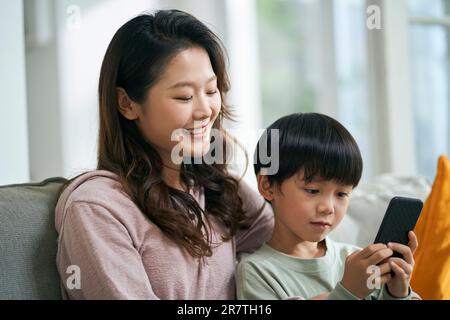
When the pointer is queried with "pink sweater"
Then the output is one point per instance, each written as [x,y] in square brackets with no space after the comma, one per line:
[121,254]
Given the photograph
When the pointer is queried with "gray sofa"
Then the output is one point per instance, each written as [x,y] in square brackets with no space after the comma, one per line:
[28,237]
[28,240]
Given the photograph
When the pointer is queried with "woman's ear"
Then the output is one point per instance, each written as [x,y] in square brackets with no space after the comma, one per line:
[127,107]
[264,186]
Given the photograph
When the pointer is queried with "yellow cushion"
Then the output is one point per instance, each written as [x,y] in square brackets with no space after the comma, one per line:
[431,276]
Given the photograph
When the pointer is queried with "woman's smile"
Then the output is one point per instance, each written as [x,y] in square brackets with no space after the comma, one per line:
[199,132]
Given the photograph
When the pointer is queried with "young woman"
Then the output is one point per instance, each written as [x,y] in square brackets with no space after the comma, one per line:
[143,226]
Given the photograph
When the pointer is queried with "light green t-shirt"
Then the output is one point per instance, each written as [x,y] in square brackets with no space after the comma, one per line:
[270,274]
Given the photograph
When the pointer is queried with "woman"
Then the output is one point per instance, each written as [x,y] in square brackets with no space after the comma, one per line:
[144,226]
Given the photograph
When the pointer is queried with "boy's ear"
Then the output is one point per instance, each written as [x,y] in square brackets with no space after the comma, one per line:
[127,107]
[264,187]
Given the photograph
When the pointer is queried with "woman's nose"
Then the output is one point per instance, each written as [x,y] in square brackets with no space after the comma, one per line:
[202,108]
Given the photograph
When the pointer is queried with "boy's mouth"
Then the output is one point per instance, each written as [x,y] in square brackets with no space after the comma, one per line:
[321,224]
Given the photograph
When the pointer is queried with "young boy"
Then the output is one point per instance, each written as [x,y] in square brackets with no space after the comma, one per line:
[319,166]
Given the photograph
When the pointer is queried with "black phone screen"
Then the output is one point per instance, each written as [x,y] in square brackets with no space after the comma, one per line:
[400,218]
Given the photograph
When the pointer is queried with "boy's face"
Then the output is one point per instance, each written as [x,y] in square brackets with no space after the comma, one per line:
[309,211]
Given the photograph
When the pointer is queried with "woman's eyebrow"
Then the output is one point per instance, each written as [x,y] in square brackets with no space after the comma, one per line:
[190,84]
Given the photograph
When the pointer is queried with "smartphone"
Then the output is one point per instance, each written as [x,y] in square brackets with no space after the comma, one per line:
[400,218]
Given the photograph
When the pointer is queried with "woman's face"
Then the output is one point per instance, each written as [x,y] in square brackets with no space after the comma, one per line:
[184,103]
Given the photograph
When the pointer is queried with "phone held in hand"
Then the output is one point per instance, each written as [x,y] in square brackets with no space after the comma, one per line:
[400,218]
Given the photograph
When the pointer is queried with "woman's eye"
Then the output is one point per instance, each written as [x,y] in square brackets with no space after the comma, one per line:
[312,191]
[211,92]
[184,98]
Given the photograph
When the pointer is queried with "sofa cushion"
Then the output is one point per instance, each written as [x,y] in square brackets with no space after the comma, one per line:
[431,276]
[368,205]
[28,240]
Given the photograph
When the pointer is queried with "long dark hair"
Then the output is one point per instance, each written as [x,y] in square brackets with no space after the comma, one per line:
[134,60]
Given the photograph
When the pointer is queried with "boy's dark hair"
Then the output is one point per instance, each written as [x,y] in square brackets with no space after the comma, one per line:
[314,143]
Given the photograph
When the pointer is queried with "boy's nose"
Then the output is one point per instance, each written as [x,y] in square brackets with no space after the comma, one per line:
[326,207]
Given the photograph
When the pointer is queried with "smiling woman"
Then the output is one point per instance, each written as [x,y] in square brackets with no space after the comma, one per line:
[192,104]
[141,225]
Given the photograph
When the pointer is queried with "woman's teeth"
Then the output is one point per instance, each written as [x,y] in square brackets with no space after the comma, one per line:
[197,132]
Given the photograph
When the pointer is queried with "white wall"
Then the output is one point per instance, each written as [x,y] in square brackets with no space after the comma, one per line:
[43,91]
[65,47]
[245,95]
[13,116]
[63,68]
[391,111]
[66,41]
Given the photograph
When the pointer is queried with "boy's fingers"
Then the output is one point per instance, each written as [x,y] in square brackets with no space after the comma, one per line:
[413,242]
[405,251]
[385,278]
[384,268]
[406,267]
[371,249]
[399,272]
[379,256]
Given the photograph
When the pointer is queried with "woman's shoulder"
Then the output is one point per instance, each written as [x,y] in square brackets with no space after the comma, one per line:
[98,196]
[99,186]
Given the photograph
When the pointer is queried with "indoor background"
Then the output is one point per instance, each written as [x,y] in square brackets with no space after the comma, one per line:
[388,83]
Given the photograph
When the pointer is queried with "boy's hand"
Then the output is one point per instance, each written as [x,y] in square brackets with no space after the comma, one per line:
[398,285]
[357,265]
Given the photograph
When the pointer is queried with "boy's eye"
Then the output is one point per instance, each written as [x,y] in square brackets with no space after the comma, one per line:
[343,194]
[312,191]
[184,98]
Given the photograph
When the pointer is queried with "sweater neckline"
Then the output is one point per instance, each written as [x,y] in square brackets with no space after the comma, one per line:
[313,265]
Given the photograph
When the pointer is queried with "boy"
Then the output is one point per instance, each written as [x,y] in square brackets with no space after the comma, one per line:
[319,166]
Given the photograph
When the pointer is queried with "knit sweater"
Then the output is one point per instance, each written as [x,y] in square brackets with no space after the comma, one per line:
[108,249]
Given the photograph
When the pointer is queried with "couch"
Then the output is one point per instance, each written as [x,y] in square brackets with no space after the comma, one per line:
[28,238]
[369,202]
